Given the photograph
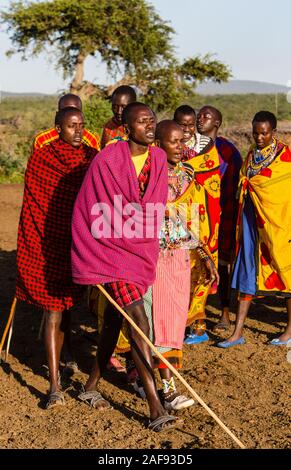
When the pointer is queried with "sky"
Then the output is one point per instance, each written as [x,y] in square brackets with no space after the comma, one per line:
[252,37]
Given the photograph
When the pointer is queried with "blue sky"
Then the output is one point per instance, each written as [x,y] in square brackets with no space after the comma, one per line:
[252,37]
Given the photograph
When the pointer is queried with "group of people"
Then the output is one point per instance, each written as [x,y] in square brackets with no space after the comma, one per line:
[161,215]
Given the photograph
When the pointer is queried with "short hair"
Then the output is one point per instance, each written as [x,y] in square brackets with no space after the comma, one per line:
[184,109]
[265,116]
[129,110]
[164,126]
[63,113]
[125,90]
[215,111]
[70,97]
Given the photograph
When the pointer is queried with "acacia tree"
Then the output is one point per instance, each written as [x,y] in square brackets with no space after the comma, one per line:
[130,37]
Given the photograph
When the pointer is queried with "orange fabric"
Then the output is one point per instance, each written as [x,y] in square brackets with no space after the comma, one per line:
[112,131]
[49,135]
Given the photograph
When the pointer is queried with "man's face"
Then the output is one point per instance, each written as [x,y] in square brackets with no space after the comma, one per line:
[187,122]
[263,134]
[172,143]
[119,102]
[72,128]
[206,121]
[142,126]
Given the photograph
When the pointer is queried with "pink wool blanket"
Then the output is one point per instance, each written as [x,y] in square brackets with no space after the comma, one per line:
[115,231]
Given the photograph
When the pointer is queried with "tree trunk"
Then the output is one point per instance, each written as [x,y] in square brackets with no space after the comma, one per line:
[79,74]
[126,80]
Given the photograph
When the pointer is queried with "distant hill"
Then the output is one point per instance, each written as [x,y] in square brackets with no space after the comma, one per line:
[240,87]
[233,87]
[8,94]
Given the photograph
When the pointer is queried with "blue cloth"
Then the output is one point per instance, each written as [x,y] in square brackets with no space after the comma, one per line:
[244,273]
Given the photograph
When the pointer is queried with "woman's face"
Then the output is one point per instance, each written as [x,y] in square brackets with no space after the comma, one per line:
[263,134]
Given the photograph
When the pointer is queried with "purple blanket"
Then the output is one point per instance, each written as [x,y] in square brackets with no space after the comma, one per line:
[115,232]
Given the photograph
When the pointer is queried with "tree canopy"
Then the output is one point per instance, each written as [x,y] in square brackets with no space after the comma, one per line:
[130,37]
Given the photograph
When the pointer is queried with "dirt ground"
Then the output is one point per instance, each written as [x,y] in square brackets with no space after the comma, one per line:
[246,386]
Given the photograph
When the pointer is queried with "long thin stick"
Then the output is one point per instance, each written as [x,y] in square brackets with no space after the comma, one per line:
[9,338]
[11,315]
[167,363]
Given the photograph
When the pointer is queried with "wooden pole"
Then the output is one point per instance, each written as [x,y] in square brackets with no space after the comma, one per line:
[9,338]
[10,318]
[167,363]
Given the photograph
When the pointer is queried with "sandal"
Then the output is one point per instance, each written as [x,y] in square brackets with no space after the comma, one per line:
[55,399]
[93,398]
[163,423]
[221,326]
[178,402]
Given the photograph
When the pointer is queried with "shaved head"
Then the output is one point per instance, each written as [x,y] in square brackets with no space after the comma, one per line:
[125,90]
[214,111]
[70,101]
[66,112]
[184,110]
[165,127]
[130,110]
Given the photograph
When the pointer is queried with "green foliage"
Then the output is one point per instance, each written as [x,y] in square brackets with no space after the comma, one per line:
[130,37]
[166,87]
[127,34]
[11,169]
[97,111]
[242,108]
[22,118]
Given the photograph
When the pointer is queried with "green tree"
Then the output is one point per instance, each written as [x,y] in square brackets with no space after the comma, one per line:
[129,37]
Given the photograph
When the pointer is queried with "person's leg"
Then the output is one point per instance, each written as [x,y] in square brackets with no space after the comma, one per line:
[142,357]
[243,308]
[67,352]
[287,333]
[224,296]
[53,337]
[172,399]
[106,345]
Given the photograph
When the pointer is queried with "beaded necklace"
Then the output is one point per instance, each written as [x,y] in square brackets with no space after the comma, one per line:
[176,178]
[261,158]
[173,234]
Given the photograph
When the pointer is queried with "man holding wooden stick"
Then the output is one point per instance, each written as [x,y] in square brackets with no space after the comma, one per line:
[116,222]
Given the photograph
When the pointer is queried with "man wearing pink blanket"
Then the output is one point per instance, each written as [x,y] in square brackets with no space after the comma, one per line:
[115,228]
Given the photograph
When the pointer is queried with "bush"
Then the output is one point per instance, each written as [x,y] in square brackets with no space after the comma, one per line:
[97,111]
[11,169]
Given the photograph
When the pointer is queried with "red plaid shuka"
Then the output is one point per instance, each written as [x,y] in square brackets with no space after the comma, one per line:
[49,135]
[123,293]
[112,131]
[53,178]
[232,162]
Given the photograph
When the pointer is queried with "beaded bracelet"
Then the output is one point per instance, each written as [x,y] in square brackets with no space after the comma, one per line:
[202,255]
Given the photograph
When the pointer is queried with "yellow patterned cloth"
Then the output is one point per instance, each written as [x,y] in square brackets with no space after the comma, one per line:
[269,191]
[205,191]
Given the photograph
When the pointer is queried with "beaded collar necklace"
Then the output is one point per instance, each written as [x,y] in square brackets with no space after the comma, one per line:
[176,178]
[261,158]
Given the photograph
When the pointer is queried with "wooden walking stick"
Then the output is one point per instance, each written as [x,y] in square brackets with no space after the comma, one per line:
[167,363]
[9,322]
[9,338]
